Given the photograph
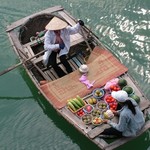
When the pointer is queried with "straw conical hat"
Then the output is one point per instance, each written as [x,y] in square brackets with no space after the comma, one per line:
[56,24]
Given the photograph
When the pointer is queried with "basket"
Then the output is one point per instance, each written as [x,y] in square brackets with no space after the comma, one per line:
[98,93]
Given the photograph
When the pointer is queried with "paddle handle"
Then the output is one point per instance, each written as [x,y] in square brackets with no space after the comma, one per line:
[17,65]
[10,68]
[88,45]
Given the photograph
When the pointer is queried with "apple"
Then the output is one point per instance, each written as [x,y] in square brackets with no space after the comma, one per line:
[88,108]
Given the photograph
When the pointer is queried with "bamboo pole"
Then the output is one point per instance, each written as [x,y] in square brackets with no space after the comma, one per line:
[35,66]
[17,65]
[86,40]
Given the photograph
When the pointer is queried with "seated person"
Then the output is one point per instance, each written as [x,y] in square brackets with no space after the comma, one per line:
[131,119]
[57,41]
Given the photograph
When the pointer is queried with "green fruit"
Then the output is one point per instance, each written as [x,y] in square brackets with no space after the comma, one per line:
[128,89]
[122,82]
[94,101]
[80,99]
[75,104]
[105,115]
[70,105]
[136,98]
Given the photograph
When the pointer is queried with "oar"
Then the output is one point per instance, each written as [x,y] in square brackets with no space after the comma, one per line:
[85,39]
[86,28]
[17,65]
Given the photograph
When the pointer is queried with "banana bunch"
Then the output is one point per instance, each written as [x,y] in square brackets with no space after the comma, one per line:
[75,103]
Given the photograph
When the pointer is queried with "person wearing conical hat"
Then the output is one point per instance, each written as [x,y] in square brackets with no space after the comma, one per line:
[57,42]
[131,119]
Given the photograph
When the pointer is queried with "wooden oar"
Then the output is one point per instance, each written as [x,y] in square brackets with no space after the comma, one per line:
[35,66]
[85,39]
[91,32]
[17,65]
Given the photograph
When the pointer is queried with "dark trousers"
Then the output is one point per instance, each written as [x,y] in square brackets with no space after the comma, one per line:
[112,131]
[53,62]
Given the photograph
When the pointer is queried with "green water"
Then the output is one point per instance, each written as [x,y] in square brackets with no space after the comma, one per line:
[27,121]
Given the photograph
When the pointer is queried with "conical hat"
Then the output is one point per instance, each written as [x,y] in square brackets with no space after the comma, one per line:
[56,24]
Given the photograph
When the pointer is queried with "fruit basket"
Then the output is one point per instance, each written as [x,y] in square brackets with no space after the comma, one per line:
[75,104]
[92,101]
[96,112]
[97,121]
[114,88]
[87,119]
[88,108]
[109,99]
[80,113]
[102,105]
[98,93]
[112,103]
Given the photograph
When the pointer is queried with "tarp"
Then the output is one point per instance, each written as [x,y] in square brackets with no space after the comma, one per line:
[103,66]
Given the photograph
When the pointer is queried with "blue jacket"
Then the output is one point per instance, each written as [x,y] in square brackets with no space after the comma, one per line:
[129,124]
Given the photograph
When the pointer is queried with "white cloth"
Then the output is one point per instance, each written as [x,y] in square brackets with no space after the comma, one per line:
[50,38]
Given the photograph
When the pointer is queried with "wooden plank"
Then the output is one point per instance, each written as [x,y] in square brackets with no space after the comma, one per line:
[100,142]
[67,18]
[30,51]
[144,104]
[80,58]
[75,120]
[41,72]
[96,131]
[77,40]
[73,65]
[40,58]
[74,39]
[35,42]
[23,20]
[52,74]
[15,40]
[77,62]
[16,45]
[14,48]
[27,52]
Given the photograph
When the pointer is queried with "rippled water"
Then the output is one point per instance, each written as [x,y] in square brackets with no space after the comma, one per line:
[27,121]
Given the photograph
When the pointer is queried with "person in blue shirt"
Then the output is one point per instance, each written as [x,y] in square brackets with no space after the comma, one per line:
[57,42]
[131,119]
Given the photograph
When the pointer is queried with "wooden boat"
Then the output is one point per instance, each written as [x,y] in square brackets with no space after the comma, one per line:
[85,48]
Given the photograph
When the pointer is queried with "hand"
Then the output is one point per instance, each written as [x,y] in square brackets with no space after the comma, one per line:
[105,120]
[61,46]
[114,112]
[81,22]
